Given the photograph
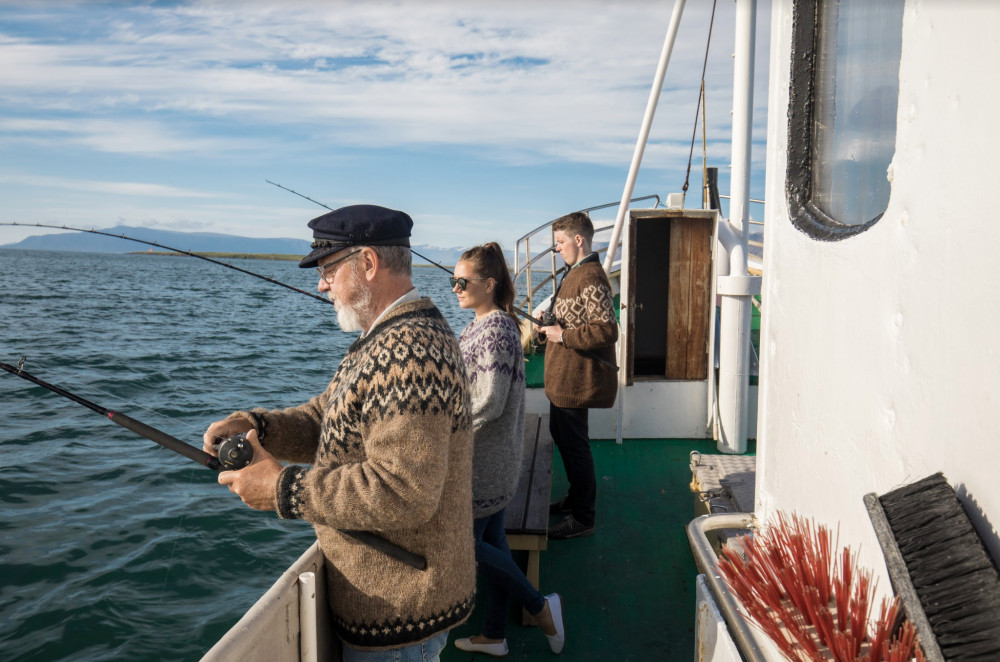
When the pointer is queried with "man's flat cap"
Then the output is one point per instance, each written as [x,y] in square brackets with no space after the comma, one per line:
[357,225]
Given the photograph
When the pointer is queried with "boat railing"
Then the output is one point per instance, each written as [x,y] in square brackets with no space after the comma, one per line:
[757,247]
[525,263]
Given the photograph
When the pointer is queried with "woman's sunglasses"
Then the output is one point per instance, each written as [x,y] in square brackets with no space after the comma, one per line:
[462,282]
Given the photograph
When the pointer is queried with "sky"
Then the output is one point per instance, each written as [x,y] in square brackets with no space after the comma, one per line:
[481,120]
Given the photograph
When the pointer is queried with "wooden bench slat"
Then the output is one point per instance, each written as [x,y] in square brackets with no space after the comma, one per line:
[515,513]
[526,519]
[536,516]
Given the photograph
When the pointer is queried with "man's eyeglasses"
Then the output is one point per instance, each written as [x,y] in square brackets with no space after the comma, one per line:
[462,282]
[325,269]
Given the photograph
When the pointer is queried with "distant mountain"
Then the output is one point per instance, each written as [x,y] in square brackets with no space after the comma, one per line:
[186,241]
[195,242]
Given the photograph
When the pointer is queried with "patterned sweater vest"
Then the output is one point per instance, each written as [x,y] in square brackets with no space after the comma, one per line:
[390,444]
[585,310]
[495,364]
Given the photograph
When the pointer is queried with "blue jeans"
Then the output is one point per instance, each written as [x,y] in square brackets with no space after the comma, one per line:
[505,578]
[425,651]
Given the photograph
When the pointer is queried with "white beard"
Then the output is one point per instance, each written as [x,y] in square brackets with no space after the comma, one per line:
[348,317]
[356,315]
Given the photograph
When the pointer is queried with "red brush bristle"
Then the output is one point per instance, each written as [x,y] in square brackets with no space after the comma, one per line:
[813,604]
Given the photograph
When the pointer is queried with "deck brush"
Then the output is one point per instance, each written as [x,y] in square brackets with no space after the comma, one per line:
[940,568]
[813,602]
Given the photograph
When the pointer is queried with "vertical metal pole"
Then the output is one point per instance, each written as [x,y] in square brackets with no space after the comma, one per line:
[552,255]
[737,308]
[640,147]
[307,618]
[739,185]
[527,271]
[647,121]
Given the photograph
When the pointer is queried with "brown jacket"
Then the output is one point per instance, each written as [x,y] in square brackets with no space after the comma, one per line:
[584,308]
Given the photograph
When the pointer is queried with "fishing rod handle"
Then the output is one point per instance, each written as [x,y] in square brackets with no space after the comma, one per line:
[164,439]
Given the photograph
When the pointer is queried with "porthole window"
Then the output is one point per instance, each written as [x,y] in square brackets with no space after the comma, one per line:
[842,113]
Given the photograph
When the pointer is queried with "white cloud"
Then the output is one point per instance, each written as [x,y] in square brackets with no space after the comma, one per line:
[150,113]
[538,79]
[141,189]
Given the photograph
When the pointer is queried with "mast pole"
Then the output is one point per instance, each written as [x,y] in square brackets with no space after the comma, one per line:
[736,289]
[743,64]
[647,122]
[640,147]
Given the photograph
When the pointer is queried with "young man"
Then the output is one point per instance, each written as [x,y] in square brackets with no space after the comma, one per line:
[579,368]
[389,444]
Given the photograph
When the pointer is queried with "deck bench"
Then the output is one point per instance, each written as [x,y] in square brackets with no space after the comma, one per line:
[526,520]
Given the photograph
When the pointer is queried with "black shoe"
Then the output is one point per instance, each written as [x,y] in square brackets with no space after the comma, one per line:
[561,507]
[569,528]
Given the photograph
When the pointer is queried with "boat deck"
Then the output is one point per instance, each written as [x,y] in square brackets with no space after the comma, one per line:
[628,590]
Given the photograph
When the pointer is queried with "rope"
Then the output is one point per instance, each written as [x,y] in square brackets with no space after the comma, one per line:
[701,95]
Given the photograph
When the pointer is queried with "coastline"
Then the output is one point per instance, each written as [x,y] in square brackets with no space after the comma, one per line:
[284,257]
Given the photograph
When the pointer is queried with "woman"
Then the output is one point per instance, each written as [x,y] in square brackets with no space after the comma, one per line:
[491,346]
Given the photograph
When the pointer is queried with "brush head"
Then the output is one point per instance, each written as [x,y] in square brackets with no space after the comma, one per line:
[813,602]
[950,570]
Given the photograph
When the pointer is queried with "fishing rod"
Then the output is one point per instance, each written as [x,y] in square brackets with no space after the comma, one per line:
[587,352]
[235,453]
[176,250]
[551,319]
[317,202]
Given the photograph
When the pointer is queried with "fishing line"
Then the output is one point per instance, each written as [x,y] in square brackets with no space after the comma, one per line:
[177,250]
[173,547]
[331,209]
[592,354]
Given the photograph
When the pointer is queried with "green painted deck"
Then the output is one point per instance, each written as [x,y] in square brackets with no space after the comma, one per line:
[628,590]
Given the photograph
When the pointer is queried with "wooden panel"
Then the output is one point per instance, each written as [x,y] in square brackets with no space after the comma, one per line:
[515,514]
[690,267]
[536,517]
[526,542]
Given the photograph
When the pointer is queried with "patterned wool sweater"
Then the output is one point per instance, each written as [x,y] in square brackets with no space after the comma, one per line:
[585,310]
[390,444]
[495,365]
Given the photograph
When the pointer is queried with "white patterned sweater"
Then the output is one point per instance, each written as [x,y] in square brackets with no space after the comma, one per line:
[491,347]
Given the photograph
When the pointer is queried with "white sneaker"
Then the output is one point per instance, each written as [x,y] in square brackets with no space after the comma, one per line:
[557,640]
[496,650]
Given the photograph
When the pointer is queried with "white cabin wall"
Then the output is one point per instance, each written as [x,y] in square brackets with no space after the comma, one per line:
[880,354]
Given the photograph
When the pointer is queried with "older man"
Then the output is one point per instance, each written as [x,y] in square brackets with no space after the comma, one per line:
[389,443]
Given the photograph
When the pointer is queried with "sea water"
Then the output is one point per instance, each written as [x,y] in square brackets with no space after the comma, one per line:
[112,547]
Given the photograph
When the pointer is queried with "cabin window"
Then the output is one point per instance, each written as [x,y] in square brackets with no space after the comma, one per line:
[842,113]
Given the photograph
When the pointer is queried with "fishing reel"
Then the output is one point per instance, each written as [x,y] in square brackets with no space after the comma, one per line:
[235,452]
[548,319]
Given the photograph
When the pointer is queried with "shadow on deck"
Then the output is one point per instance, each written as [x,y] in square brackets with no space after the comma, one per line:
[628,590]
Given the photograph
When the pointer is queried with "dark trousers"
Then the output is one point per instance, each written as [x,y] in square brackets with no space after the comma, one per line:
[570,430]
